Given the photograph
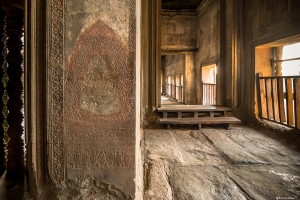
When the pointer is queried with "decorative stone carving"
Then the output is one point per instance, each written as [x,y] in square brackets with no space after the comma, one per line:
[55,88]
[99,92]
[98,101]
[91,102]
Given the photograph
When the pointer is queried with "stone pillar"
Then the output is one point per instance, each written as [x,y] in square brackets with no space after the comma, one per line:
[15,156]
[2,152]
[278,65]
[151,59]
[190,78]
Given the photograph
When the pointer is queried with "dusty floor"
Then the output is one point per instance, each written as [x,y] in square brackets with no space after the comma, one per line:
[214,163]
[166,101]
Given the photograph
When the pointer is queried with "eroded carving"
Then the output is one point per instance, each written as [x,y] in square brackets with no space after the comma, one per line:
[99,92]
[100,70]
[99,104]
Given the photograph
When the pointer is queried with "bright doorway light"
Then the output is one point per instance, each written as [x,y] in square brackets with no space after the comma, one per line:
[291,68]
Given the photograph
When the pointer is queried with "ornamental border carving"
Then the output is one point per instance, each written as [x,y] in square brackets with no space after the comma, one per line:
[55,89]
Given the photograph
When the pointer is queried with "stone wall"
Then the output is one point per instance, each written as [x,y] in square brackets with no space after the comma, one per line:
[173,64]
[92,92]
[178,30]
[208,34]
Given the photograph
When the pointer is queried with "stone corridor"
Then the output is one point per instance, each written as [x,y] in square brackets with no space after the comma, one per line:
[214,163]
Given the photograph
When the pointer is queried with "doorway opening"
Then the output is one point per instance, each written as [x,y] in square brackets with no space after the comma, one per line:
[172,73]
[209,96]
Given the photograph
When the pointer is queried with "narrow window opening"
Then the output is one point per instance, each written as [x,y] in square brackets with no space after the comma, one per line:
[278,96]
[209,84]
[291,60]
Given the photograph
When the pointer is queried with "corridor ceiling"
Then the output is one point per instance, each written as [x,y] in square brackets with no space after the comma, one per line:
[180,4]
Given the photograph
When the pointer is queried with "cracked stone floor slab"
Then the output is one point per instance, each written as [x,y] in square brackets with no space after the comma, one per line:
[214,163]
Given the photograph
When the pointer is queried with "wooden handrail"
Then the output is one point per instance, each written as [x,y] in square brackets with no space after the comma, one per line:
[265,77]
[278,105]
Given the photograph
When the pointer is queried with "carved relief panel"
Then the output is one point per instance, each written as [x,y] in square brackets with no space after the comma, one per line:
[91,87]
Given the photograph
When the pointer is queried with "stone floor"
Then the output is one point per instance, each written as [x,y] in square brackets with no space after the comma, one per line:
[214,163]
[166,101]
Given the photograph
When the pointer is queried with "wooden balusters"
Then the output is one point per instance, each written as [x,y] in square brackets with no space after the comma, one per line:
[277,105]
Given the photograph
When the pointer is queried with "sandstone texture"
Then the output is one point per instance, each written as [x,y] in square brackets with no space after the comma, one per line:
[214,163]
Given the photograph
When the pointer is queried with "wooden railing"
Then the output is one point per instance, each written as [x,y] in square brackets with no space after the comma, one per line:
[168,91]
[179,91]
[174,91]
[209,94]
[279,99]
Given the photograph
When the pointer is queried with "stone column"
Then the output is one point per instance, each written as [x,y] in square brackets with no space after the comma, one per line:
[190,78]
[2,152]
[151,59]
[15,156]
[278,66]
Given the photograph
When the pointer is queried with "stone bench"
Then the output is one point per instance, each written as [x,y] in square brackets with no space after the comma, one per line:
[196,114]
[195,110]
[201,120]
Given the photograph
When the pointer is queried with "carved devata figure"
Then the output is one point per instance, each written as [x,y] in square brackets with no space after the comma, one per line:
[98,62]
[99,92]
[99,102]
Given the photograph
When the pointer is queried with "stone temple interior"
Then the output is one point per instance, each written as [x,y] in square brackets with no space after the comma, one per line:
[153,100]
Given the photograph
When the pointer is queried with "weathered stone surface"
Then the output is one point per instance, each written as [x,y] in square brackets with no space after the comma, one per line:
[84,188]
[175,147]
[213,163]
[198,182]
[157,181]
[92,92]
[266,182]
[208,41]
[173,64]
[178,31]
